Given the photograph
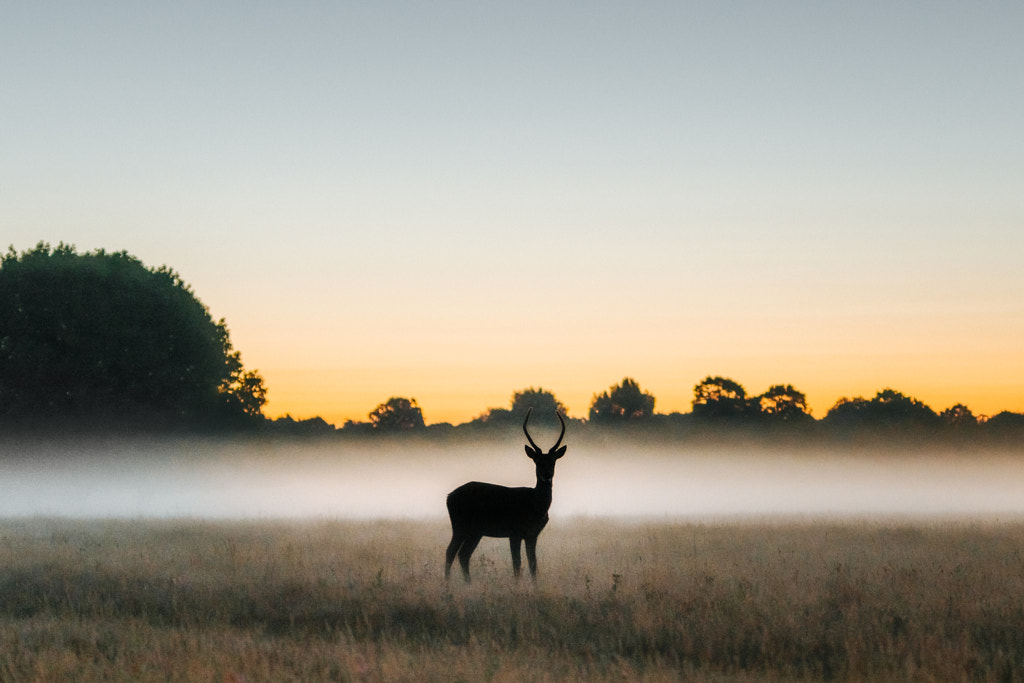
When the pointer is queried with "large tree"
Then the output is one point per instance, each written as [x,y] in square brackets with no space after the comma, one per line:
[783,403]
[958,417]
[889,409]
[101,335]
[397,414]
[543,403]
[720,397]
[622,402]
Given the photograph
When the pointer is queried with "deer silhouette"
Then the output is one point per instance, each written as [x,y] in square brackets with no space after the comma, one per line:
[518,514]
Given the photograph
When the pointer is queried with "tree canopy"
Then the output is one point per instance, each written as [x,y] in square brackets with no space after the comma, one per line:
[783,403]
[397,414]
[100,335]
[889,409]
[622,402]
[543,403]
[719,397]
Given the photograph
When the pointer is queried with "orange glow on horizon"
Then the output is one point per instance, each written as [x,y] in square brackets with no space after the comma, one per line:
[445,395]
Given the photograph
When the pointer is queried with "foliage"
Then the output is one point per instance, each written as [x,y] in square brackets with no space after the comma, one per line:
[1006,426]
[783,403]
[721,398]
[958,417]
[314,426]
[888,410]
[99,335]
[397,415]
[625,402]
[718,398]
[544,404]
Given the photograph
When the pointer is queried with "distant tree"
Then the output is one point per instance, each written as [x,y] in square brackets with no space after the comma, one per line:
[848,412]
[101,335]
[783,403]
[958,417]
[1005,425]
[542,401]
[314,426]
[397,414]
[889,409]
[357,427]
[621,403]
[249,394]
[720,397]
[495,417]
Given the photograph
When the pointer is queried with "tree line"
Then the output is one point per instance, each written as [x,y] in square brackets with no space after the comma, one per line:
[99,340]
[719,405]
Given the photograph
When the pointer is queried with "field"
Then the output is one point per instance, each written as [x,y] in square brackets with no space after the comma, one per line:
[616,601]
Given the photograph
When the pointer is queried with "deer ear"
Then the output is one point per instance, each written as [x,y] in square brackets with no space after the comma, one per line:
[532,452]
[560,452]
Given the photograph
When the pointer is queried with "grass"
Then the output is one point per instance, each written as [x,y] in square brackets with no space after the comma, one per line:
[339,601]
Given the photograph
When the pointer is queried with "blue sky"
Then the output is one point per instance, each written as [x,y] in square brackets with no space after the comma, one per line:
[453,201]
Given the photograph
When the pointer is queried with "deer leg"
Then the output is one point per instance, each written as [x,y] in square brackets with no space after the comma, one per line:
[514,542]
[465,552]
[453,549]
[531,556]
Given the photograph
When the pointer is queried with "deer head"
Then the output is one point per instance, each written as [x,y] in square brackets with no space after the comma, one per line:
[545,461]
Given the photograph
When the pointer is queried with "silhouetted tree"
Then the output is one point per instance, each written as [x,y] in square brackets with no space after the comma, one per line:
[621,403]
[889,410]
[542,401]
[958,417]
[1007,426]
[100,335]
[720,397]
[848,412]
[783,403]
[249,394]
[892,408]
[397,414]
[314,426]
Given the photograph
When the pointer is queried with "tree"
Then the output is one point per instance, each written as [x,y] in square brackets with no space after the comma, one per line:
[783,403]
[893,409]
[621,403]
[249,394]
[889,410]
[848,412]
[397,414]
[720,397]
[542,401]
[958,417]
[1005,425]
[101,335]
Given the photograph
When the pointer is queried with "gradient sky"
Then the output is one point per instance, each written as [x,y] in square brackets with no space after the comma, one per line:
[454,201]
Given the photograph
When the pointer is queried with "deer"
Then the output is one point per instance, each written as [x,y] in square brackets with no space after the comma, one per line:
[519,514]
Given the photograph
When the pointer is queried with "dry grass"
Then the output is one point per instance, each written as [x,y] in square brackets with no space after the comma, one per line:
[271,601]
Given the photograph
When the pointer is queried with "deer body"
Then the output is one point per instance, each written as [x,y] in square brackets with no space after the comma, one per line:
[519,514]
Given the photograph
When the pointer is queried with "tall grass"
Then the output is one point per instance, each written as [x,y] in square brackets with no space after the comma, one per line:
[273,601]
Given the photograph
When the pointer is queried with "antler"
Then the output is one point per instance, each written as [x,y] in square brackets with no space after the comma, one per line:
[528,433]
[557,443]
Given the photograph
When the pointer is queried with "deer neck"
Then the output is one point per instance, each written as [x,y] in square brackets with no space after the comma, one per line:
[542,492]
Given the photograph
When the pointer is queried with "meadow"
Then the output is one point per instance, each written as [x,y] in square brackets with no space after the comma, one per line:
[191,600]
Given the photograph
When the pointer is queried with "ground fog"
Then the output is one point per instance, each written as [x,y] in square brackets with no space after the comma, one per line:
[371,480]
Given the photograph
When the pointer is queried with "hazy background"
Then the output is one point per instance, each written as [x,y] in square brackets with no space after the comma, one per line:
[456,200]
[192,478]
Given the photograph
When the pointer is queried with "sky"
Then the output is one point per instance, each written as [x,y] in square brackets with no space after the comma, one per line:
[453,201]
